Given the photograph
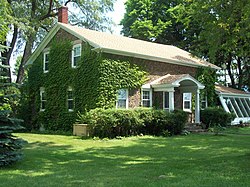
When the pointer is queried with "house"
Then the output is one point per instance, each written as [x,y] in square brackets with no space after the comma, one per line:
[171,70]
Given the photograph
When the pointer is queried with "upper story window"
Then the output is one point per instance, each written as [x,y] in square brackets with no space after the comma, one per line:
[42,99]
[187,101]
[122,99]
[45,62]
[146,98]
[76,55]
[70,99]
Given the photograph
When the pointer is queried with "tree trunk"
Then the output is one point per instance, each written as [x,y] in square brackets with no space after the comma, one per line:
[26,55]
[240,83]
[229,63]
[9,52]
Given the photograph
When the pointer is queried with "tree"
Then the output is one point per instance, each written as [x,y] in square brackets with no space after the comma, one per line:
[10,145]
[36,17]
[153,20]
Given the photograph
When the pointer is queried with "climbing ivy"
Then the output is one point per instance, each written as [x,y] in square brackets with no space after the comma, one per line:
[94,82]
[207,76]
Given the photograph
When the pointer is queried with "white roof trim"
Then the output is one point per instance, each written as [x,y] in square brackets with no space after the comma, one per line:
[233,95]
[188,77]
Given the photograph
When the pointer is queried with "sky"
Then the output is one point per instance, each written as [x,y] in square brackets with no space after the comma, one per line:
[117,15]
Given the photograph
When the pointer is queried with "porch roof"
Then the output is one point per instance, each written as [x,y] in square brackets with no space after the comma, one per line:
[171,81]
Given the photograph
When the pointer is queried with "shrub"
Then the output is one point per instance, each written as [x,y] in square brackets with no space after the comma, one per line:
[117,122]
[214,116]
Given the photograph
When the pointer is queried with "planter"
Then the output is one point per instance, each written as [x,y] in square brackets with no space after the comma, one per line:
[80,130]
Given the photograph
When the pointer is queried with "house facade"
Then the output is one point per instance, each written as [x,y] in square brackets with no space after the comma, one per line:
[170,71]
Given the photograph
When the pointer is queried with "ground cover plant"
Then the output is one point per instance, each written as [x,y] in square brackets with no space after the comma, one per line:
[194,160]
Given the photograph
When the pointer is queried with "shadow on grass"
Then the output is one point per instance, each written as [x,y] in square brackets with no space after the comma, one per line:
[145,161]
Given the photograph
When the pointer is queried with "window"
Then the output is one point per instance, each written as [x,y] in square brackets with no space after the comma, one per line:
[45,62]
[203,101]
[122,99]
[42,99]
[76,55]
[166,100]
[70,99]
[187,101]
[146,101]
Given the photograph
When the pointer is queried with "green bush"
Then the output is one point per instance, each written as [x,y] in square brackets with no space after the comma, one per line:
[117,122]
[214,116]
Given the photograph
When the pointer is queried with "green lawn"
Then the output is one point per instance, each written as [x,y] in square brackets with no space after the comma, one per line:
[194,160]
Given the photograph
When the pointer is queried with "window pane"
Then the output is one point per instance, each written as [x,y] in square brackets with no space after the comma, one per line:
[43,96]
[187,105]
[187,96]
[246,106]
[146,103]
[70,104]
[77,51]
[76,60]
[236,107]
[70,95]
[122,94]
[166,100]
[121,103]
[46,57]
[43,105]
[145,95]
[46,66]
[241,107]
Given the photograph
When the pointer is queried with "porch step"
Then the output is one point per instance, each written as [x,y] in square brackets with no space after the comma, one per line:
[194,128]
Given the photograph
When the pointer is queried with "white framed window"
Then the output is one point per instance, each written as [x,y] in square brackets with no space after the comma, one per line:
[42,99]
[166,100]
[70,99]
[45,62]
[76,55]
[203,102]
[187,101]
[146,98]
[122,98]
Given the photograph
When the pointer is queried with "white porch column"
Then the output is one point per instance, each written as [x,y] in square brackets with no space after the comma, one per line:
[171,100]
[197,106]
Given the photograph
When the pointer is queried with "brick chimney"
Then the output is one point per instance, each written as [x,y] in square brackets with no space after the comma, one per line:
[63,14]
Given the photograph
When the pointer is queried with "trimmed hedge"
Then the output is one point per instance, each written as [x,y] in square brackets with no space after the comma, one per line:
[117,122]
[214,116]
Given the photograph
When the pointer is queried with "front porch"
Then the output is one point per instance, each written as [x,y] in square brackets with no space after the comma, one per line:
[171,92]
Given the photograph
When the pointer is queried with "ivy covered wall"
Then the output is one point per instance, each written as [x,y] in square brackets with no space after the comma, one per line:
[94,83]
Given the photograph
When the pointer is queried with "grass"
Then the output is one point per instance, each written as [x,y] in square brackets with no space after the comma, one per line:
[194,160]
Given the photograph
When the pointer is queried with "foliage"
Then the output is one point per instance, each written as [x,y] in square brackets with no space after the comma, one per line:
[152,20]
[215,116]
[112,122]
[207,77]
[94,82]
[4,19]
[9,145]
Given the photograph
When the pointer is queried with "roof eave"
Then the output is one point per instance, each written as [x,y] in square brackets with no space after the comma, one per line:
[232,94]
[148,57]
